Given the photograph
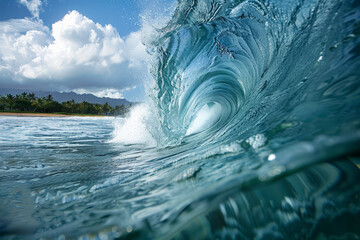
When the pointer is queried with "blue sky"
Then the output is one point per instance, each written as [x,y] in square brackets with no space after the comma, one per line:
[122,14]
[76,45]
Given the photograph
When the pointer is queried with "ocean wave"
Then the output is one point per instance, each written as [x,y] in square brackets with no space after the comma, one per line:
[259,63]
[255,121]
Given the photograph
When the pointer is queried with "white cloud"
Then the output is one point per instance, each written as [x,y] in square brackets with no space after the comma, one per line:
[75,53]
[33,6]
[110,93]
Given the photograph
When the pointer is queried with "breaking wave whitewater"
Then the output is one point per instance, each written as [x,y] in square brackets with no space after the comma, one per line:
[259,90]
[231,69]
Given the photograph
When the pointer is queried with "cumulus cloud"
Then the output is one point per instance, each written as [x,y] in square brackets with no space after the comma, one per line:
[75,53]
[33,6]
[110,93]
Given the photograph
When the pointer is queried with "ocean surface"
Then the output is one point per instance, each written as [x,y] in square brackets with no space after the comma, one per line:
[252,131]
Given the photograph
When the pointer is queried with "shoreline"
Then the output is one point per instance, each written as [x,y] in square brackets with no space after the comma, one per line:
[12,114]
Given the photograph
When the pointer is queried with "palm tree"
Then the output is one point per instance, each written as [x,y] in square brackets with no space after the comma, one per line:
[38,103]
[69,106]
[10,101]
[31,96]
[49,98]
[3,102]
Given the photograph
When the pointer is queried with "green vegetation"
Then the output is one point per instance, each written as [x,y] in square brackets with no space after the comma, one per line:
[27,102]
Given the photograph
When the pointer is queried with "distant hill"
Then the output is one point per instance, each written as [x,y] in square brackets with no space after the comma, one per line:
[68,96]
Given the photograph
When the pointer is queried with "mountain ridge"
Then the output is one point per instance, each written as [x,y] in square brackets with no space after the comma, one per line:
[68,96]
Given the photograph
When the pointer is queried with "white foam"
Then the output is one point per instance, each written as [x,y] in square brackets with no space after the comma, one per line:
[208,115]
[133,129]
[257,141]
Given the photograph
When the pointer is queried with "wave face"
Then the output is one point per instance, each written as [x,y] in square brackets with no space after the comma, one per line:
[260,64]
[258,97]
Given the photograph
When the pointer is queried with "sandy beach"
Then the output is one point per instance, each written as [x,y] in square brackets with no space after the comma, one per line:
[42,115]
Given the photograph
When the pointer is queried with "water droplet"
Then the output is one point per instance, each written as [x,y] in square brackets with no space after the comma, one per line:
[271,157]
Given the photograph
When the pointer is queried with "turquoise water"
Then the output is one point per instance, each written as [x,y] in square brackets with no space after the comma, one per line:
[68,178]
[252,132]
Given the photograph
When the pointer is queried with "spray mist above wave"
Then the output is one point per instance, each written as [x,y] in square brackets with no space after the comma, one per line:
[225,69]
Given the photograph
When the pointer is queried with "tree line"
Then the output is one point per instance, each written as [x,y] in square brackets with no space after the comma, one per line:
[30,103]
